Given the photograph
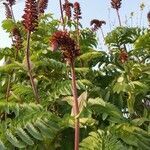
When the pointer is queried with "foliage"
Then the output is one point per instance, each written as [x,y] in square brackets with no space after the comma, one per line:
[113,95]
[101,140]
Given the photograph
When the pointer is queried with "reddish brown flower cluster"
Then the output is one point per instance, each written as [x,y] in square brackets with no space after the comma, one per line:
[11,2]
[17,39]
[7,11]
[116,4]
[77,11]
[97,24]
[68,46]
[30,17]
[123,56]
[67,8]
[42,5]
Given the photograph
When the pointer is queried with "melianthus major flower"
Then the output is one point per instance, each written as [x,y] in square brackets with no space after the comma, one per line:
[68,46]
[97,24]
[30,17]
[17,38]
[77,11]
[42,5]
[67,8]
[116,4]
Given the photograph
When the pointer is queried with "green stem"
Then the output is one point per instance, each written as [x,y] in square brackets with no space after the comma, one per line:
[34,88]
[75,107]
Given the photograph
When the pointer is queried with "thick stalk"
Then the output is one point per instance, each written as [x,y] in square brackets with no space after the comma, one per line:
[120,24]
[75,107]
[119,18]
[78,32]
[62,16]
[34,88]
[102,34]
[9,77]
[12,13]
[8,88]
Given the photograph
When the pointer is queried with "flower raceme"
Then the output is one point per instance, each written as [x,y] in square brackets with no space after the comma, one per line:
[116,4]
[67,8]
[30,17]
[42,5]
[77,11]
[68,46]
[97,24]
[17,39]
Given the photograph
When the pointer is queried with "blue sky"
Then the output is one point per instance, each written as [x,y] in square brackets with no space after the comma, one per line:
[91,9]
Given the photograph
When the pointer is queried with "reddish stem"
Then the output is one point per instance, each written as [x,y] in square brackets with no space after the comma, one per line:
[62,16]
[8,88]
[29,68]
[78,33]
[12,13]
[75,107]
[119,18]
[9,78]
[102,34]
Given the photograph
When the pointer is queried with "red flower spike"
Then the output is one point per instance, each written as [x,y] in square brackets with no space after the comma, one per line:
[77,11]
[8,11]
[116,4]
[30,17]
[97,24]
[66,43]
[67,8]
[42,5]
[17,39]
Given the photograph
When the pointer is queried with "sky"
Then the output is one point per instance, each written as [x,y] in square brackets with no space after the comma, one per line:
[91,9]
